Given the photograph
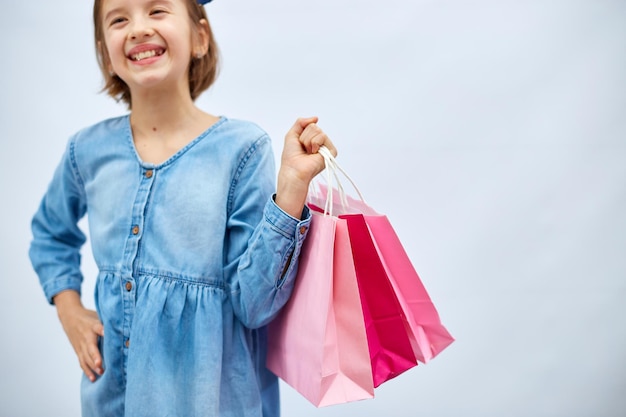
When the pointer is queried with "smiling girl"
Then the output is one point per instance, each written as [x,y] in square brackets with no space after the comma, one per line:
[196,244]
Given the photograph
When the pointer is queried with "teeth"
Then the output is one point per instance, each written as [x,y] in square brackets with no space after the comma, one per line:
[144,55]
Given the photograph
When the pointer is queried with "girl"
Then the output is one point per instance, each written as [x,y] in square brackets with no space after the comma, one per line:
[195,254]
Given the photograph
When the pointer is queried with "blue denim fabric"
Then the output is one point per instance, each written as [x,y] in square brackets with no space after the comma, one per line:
[194,260]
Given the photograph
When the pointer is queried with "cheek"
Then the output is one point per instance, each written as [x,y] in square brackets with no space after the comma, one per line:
[115,51]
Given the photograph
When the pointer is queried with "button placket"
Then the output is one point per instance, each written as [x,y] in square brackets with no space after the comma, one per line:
[131,253]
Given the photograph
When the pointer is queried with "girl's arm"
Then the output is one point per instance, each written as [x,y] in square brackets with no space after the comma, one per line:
[55,255]
[264,237]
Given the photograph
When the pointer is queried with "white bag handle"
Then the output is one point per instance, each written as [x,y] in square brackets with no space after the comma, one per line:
[332,169]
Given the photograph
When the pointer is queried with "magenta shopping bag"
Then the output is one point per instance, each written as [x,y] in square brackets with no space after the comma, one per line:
[318,343]
[391,351]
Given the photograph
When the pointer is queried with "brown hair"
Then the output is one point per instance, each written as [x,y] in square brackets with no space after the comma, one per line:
[202,71]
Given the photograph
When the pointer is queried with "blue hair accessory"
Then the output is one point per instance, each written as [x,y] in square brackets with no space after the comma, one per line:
[204,1]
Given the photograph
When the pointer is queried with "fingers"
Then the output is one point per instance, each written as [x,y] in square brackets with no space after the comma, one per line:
[94,351]
[305,121]
[313,137]
[96,358]
[90,358]
[83,329]
[300,124]
[98,329]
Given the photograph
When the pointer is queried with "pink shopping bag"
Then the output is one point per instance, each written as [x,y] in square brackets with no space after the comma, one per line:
[318,343]
[428,335]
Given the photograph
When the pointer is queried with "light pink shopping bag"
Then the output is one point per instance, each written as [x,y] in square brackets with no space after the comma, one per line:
[318,344]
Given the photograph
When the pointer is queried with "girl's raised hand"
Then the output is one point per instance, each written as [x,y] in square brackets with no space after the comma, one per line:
[300,163]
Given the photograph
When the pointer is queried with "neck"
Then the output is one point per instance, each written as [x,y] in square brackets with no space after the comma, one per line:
[162,111]
[163,122]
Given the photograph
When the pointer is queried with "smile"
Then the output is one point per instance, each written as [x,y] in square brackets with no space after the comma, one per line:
[145,54]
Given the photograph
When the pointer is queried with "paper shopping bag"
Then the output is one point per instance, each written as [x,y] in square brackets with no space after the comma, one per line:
[391,351]
[318,344]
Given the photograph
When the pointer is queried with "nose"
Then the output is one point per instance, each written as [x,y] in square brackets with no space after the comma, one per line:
[140,29]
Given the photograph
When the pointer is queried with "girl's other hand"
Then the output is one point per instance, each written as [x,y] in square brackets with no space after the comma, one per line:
[300,163]
[82,327]
[302,142]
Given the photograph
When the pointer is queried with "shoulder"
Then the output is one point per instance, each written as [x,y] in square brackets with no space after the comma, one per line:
[100,143]
[241,142]
[241,133]
[108,129]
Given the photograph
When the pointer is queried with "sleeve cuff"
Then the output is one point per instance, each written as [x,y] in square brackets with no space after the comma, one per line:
[62,284]
[287,225]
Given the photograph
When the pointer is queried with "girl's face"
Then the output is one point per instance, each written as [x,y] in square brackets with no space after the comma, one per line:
[149,43]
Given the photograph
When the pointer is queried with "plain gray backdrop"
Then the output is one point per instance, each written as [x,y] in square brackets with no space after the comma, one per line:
[492,134]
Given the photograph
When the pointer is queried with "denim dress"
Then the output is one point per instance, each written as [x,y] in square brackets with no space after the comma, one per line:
[194,259]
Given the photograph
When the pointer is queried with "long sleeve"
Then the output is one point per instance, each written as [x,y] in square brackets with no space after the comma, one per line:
[262,242]
[57,239]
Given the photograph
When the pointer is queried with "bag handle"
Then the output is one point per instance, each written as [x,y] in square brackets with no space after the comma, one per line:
[332,170]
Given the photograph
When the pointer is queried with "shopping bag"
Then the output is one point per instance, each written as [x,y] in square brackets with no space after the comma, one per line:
[427,334]
[391,351]
[318,343]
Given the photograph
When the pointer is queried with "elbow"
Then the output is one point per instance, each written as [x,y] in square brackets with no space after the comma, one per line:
[262,312]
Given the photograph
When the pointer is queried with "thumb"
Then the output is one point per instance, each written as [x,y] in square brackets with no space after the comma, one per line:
[300,124]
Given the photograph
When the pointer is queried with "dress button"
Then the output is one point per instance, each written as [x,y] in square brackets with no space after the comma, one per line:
[302,230]
[127,343]
[129,286]
[135,230]
[149,173]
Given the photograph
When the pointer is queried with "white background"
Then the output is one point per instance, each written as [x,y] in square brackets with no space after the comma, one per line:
[492,134]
